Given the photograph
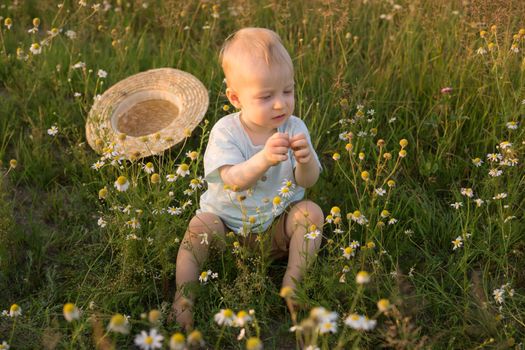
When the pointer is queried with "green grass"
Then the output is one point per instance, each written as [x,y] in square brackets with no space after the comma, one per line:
[52,251]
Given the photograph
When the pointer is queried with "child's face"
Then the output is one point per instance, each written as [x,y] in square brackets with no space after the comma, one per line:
[264,94]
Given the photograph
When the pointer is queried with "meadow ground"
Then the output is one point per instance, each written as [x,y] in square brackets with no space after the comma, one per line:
[414,107]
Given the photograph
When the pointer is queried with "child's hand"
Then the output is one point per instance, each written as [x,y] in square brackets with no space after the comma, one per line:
[276,148]
[301,148]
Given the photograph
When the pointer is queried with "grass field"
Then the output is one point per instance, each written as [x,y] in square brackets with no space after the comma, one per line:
[415,108]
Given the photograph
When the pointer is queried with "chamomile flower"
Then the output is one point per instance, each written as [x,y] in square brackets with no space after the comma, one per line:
[499,295]
[358,217]
[8,22]
[35,49]
[195,339]
[102,73]
[383,305]
[254,343]
[71,34]
[79,65]
[494,157]
[101,222]
[467,192]
[362,277]
[52,131]
[149,168]
[242,318]
[392,221]
[348,252]
[71,312]
[174,210]
[133,223]
[122,184]
[183,170]
[149,341]
[456,205]
[481,51]
[327,327]
[500,196]
[360,323]
[15,310]
[285,192]
[477,162]
[224,317]
[380,191]
[313,232]
[320,314]
[119,324]
[192,155]
[277,204]
[196,183]
[479,202]
[335,211]
[495,172]
[171,177]
[289,183]
[457,243]
[205,276]
[512,125]
[4,346]
[97,165]
[177,342]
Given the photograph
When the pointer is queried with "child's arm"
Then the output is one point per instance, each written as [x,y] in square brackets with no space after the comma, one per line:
[307,170]
[244,175]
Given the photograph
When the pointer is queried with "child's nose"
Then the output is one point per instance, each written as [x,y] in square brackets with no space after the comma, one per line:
[278,103]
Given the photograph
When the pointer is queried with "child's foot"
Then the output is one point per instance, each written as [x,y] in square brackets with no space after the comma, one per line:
[181,311]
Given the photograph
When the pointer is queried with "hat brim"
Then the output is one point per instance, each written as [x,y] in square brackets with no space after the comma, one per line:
[172,104]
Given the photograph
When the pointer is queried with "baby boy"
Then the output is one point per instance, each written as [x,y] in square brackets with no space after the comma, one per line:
[257,163]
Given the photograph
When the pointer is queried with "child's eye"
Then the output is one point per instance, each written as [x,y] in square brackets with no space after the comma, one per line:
[265,97]
[288,92]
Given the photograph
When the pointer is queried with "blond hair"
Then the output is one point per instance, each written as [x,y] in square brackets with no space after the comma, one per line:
[254,43]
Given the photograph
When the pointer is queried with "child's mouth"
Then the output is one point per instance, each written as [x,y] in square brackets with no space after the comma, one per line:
[279,116]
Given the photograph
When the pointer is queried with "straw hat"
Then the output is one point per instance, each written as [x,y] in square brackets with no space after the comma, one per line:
[146,113]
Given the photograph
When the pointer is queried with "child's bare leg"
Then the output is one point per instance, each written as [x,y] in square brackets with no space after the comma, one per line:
[192,253]
[302,250]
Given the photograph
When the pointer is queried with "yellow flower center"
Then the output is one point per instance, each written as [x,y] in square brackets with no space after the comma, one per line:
[253,343]
[195,336]
[118,320]
[348,250]
[204,274]
[357,214]
[276,200]
[155,178]
[178,338]
[122,180]
[148,340]
[69,308]
[383,305]
[242,314]
[184,167]
[228,313]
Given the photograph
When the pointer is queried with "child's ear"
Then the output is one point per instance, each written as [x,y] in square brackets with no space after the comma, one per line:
[233,98]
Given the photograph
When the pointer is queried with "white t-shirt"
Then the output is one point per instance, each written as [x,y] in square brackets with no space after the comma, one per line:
[230,144]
